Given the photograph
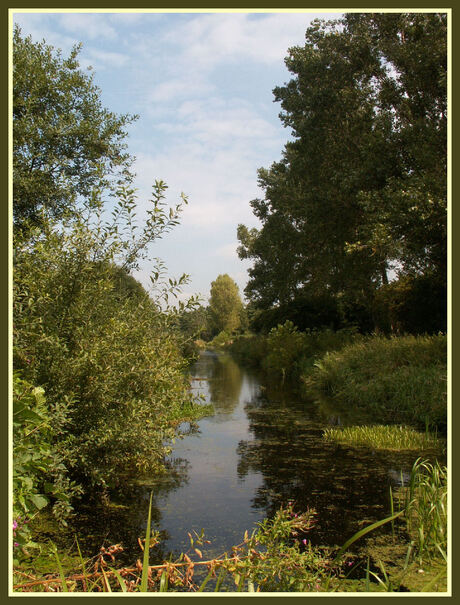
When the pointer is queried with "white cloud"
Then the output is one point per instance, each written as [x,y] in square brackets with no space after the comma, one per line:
[228,251]
[179,88]
[212,38]
[91,25]
[105,59]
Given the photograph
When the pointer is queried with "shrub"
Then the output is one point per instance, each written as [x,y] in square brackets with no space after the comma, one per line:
[109,360]
[38,471]
[284,346]
[412,305]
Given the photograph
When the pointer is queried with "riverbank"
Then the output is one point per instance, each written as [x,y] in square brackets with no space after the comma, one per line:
[279,557]
[262,449]
[395,380]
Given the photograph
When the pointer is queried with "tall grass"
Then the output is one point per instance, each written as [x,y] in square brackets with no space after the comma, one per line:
[389,437]
[425,503]
[401,379]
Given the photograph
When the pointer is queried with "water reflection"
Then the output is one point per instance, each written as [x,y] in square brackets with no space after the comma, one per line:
[346,486]
[217,379]
[261,449]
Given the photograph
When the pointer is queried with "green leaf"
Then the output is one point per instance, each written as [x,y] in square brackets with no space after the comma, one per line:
[39,501]
[363,532]
[145,565]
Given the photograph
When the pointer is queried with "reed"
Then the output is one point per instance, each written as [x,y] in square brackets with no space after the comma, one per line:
[273,559]
[388,437]
[425,503]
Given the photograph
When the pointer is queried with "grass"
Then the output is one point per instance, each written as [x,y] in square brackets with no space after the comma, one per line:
[425,502]
[400,379]
[388,437]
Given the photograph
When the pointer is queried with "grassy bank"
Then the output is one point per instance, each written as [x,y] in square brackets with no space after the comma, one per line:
[399,380]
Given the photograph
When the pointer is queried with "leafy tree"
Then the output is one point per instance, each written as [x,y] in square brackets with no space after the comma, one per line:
[361,188]
[64,141]
[225,304]
[406,217]
[109,361]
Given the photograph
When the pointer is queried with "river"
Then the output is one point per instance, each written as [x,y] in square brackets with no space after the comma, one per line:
[262,448]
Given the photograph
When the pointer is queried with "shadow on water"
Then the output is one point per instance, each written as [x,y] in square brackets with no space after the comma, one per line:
[262,448]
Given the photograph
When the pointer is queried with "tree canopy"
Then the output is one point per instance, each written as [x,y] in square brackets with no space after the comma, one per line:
[64,140]
[225,304]
[361,187]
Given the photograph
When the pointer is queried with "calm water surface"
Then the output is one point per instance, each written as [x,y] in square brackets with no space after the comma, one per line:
[262,448]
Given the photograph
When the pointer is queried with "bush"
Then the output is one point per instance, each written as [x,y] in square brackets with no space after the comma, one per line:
[412,305]
[108,357]
[284,345]
[39,474]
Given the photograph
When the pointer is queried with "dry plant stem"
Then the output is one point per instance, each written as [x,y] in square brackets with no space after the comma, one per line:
[127,570]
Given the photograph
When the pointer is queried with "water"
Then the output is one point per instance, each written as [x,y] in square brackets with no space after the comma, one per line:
[262,448]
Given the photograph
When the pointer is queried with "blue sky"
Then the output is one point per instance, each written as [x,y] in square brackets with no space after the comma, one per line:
[202,86]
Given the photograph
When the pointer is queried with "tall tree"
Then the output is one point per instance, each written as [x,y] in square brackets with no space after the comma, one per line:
[64,140]
[225,304]
[361,187]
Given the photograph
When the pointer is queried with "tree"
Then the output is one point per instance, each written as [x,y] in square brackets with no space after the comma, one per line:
[64,140]
[225,304]
[361,188]
[107,354]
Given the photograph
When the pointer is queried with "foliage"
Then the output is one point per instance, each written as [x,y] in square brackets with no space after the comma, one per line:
[398,379]
[222,339]
[249,349]
[194,325]
[425,503]
[284,345]
[64,141]
[306,312]
[110,360]
[361,188]
[389,437]
[412,305]
[225,304]
[38,470]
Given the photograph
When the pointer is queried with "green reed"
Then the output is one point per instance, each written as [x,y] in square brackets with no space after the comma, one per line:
[425,503]
[389,437]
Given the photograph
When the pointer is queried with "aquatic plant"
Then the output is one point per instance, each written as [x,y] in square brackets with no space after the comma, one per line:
[425,504]
[277,556]
[389,437]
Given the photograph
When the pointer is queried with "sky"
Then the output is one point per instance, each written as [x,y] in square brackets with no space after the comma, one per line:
[202,86]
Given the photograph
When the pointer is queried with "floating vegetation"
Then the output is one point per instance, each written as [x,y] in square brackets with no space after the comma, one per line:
[387,437]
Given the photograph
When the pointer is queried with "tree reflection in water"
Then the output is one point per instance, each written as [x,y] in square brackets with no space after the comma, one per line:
[348,487]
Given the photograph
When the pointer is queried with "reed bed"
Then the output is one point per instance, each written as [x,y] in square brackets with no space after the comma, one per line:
[388,437]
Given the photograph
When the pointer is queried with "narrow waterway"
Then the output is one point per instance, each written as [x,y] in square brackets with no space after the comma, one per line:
[262,448]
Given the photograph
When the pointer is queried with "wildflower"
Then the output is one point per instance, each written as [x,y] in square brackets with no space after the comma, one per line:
[304,541]
[15,524]
[16,543]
